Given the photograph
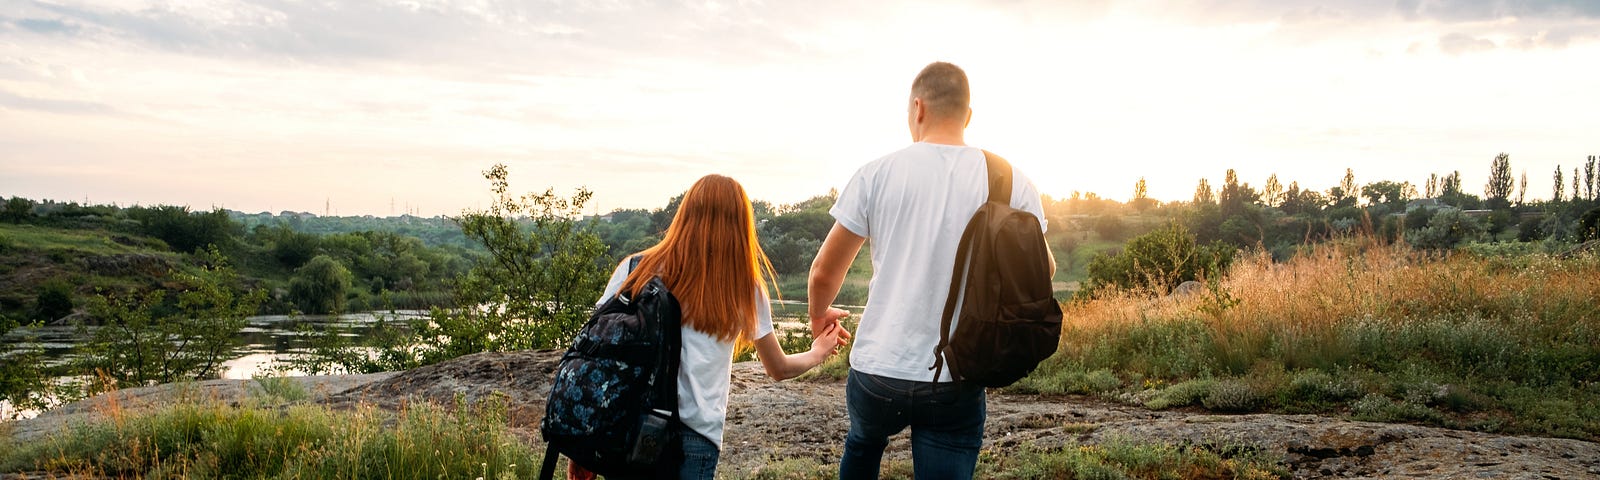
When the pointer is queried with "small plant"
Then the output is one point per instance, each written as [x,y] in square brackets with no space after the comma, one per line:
[1183,394]
[1232,396]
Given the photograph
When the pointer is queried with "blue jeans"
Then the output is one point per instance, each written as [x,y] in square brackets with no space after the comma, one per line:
[699,457]
[946,421]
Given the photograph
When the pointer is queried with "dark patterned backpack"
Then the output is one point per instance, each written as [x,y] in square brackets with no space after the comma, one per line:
[1006,318]
[613,406]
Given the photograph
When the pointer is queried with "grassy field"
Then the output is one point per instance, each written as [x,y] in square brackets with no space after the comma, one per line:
[273,439]
[93,242]
[1498,344]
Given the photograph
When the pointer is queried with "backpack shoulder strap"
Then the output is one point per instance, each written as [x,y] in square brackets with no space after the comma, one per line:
[999,178]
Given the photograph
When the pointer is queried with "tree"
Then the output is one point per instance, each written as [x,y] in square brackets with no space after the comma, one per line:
[1589,179]
[1556,195]
[1273,191]
[1347,185]
[1141,197]
[17,210]
[140,343]
[1203,195]
[320,286]
[1387,193]
[183,230]
[1522,188]
[1575,179]
[1498,190]
[1433,185]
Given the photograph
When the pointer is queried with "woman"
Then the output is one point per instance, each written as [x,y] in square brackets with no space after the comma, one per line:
[711,262]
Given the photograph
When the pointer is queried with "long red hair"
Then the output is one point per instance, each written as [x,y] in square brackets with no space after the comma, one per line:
[711,261]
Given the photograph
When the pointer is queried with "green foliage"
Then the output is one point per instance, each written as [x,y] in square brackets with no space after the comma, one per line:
[23,380]
[320,286]
[1589,225]
[54,301]
[1157,262]
[137,343]
[535,289]
[1497,193]
[1446,229]
[183,230]
[17,210]
[214,440]
[293,249]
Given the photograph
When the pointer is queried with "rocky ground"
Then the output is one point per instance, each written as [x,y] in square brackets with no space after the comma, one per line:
[769,420]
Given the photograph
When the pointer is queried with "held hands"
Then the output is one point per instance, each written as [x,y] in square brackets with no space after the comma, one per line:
[832,338]
[830,318]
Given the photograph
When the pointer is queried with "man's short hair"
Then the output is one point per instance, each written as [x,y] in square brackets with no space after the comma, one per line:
[943,89]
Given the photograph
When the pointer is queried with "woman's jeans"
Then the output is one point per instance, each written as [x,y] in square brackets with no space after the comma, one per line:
[946,421]
[699,457]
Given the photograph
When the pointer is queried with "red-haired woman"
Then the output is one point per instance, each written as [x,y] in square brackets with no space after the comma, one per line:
[711,262]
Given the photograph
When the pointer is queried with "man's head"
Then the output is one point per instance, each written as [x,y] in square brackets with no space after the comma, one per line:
[940,100]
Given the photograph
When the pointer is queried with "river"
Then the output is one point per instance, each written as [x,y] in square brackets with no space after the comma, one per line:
[267,341]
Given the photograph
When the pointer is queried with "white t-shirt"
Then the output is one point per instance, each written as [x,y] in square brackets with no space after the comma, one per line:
[703,367]
[913,205]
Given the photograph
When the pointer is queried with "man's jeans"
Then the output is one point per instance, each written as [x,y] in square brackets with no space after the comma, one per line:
[946,421]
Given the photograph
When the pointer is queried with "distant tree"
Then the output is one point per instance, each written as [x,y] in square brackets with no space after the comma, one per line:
[320,286]
[1387,193]
[1497,192]
[183,230]
[1592,175]
[1575,180]
[293,249]
[17,210]
[1141,197]
[1433,186]
[1556,195]
[1347,185]
[1234,195]
[1522,188]
[1451,193]
[1589,225]
[1272,193]
[661,218]
[54,301]
[1446,229]
[1203,195]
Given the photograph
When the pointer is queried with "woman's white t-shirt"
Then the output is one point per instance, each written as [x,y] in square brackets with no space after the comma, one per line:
[704,366]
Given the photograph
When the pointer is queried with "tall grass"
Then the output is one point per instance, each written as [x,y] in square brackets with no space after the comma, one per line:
[1495,343]
[216,440]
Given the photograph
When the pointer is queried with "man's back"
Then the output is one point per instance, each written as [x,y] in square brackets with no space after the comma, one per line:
[913,205]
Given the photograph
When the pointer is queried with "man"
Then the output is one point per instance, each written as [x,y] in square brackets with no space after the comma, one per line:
[913,204]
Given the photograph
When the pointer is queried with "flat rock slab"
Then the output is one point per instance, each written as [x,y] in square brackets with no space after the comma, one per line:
[770,420]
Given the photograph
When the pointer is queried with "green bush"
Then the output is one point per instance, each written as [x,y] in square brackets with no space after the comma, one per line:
[54,301]
[1191,392]
[1446,229]
[1157,262]
[1232,396]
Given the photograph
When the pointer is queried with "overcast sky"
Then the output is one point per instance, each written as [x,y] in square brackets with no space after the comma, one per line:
[295,105]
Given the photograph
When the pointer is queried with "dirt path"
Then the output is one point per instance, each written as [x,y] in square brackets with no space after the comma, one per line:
[771,420]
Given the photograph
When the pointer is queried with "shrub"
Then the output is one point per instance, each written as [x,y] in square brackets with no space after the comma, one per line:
[1446,230]
[1157,262]
[54,301]
[1191,392]
[1232,396]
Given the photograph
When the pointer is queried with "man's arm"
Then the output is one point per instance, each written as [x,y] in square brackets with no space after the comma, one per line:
[827,274]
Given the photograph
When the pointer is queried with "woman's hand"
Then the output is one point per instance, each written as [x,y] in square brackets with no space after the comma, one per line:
[832,337]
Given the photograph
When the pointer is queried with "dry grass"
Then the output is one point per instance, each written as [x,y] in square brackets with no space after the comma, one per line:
[1486,335]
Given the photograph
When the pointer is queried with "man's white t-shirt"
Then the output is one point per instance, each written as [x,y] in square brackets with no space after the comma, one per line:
[913,206]
[704,366]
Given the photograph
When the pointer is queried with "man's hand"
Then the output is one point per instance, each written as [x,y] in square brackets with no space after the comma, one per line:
[830,320]
[827,275]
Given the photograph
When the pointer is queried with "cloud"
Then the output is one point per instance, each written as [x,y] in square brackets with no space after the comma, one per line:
[1458,43]
[69,107]
[519,35]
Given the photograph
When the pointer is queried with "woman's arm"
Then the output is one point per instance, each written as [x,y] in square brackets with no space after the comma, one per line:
[781,366]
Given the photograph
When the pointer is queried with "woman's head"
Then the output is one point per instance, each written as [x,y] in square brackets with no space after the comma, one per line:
[710,260]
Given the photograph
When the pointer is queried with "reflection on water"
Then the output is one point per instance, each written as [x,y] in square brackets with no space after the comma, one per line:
[269,340]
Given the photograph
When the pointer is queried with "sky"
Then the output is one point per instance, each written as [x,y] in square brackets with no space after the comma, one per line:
[385,107]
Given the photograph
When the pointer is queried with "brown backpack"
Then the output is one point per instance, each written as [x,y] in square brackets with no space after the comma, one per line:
[1009,319]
